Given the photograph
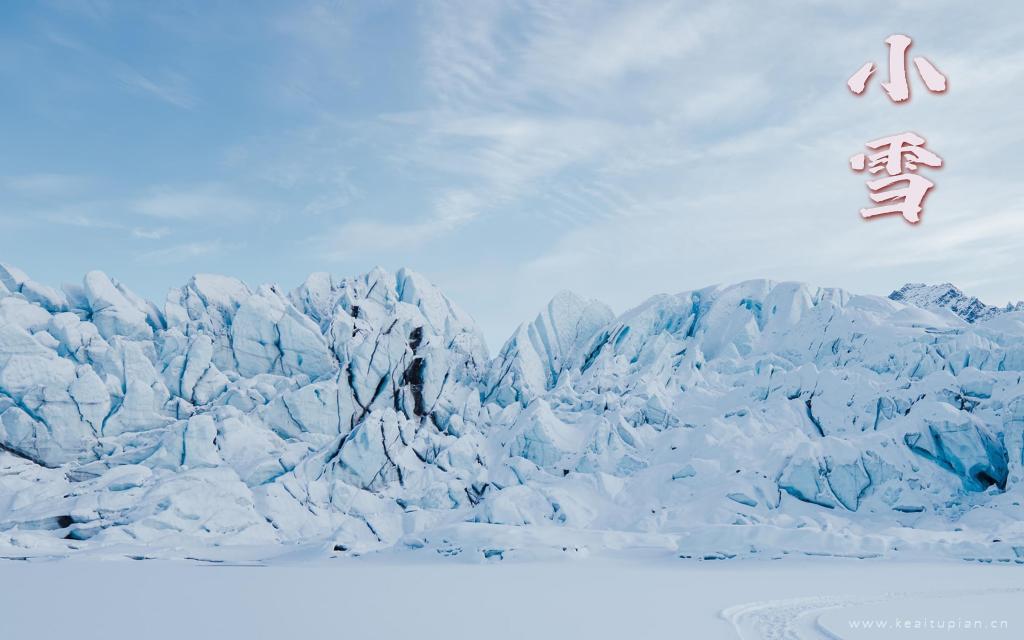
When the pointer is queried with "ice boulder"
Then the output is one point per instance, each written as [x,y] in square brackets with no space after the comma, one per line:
[532,360]
[51,410]
[961,445]
[15,280]
[114,311]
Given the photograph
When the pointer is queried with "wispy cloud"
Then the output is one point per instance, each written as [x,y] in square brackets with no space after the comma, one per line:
[356,238]
[580,109]
[97,10]
[151,234]
[44,184]
[166,85]
[82,217]
[206,202]
[318,37]
[186,251]
[170,87]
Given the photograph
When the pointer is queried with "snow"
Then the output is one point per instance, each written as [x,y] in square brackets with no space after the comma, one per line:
[300,595]
[754,420]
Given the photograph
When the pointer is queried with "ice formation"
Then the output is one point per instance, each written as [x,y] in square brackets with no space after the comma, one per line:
[364,413]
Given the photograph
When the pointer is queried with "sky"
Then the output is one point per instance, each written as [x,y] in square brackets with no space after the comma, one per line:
[506,150]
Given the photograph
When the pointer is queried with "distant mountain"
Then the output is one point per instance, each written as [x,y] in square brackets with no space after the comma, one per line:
[946,296]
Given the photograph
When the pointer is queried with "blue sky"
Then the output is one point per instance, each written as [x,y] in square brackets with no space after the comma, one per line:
[505,149]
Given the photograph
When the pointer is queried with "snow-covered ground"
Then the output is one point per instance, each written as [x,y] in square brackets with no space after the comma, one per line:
[423,595]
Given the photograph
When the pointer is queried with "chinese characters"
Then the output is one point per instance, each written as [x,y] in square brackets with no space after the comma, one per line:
[898,86]
[900,190]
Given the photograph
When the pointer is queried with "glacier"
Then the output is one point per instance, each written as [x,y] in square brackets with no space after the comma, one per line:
[364,414]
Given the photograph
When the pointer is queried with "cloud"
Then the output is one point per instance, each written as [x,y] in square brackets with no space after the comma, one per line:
[97,10]
[317,40]
[151,234]
[571,112]
[576,51]
[168,86]
[522,115]
[452,210]
[44,184]
[172,88]
[81,217]
[521,54]
[185,251]
[204,202]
